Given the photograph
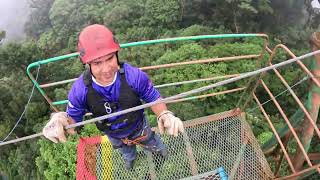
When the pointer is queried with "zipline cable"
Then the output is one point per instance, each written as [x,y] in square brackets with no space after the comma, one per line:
[284,91]
[181,95]
[24,111]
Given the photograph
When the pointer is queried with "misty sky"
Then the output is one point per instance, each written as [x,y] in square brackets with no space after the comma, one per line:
[315,4]
[13,15]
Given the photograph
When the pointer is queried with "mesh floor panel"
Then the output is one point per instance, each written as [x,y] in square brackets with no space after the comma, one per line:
[221,140]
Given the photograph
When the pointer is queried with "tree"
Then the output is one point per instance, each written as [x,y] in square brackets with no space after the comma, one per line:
[2,36]
[38,20]
[313,18]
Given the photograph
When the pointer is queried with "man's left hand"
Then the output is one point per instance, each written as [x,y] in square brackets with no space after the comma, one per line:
[169,123]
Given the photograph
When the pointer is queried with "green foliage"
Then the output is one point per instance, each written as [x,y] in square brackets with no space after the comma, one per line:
[201,30]
[245,5]
[2,35]
[39,20]
[264,137]
[16,56]
[161,14]
[54,26]
[124,15]
[53,154]
[58,161]
[194,51]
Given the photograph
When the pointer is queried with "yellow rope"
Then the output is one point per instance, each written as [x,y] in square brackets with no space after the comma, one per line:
[106,154]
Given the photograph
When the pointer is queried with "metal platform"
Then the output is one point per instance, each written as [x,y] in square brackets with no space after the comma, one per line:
[220,140]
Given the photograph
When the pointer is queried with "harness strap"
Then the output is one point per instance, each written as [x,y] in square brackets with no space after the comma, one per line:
[140,140]
[99,106]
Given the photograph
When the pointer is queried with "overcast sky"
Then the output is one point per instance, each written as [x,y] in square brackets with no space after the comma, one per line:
[13,15]
[315,4]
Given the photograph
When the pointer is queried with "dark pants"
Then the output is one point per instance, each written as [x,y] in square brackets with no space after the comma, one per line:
[152,144]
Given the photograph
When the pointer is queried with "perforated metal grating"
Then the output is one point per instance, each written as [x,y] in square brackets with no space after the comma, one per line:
[221,140]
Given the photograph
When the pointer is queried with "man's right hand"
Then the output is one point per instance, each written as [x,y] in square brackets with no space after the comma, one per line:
[54,129]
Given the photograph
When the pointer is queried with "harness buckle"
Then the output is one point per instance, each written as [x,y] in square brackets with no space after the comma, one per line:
[136,141]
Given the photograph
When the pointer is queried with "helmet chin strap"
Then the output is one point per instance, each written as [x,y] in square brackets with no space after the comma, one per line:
[118,58]
[88,66]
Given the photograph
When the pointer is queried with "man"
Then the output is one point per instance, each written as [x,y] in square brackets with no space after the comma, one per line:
[109,86]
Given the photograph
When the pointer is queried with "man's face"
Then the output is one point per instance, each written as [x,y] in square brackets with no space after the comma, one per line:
[105,68]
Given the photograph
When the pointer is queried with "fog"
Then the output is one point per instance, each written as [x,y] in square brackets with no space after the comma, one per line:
[13,15]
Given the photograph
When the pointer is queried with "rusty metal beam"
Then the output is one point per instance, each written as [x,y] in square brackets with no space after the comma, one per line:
[287,122]
[292,176]
[310,119]
[207,95]
[210,118]
[308,126]
[45,96]
[275,133]
[285,142]
[58,83]
[191,158]
[303,67]
[314,156]
[201,61]
[157,86]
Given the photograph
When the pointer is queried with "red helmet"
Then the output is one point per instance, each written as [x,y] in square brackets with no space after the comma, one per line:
[96,41]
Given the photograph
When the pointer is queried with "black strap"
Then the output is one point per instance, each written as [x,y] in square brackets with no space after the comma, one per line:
[127,99]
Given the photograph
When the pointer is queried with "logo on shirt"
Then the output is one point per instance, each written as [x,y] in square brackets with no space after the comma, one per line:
[69,104]
[107,107]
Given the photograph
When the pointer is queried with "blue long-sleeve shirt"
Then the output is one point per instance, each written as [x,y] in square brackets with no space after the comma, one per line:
[136,79]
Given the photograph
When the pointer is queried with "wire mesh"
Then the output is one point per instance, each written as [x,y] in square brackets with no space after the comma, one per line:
[221,140]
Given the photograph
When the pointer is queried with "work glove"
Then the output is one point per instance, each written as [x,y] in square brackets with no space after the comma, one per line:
[54,129]
[170,124]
